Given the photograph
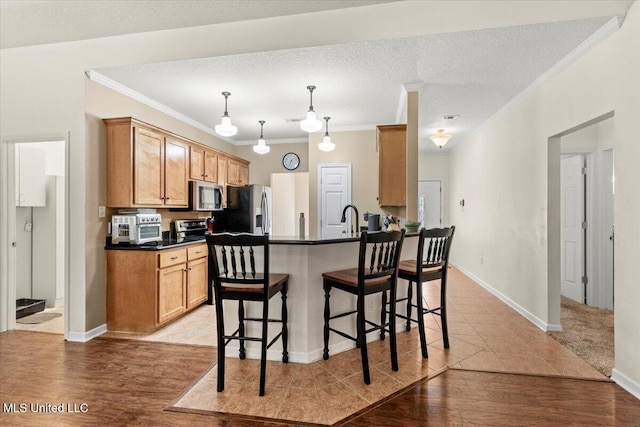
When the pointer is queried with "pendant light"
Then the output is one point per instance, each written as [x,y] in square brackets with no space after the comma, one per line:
[261,147]
[326,144]
[440,138]
[225,128]
[311,122]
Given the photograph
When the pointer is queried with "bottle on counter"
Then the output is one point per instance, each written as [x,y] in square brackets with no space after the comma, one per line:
[302,233]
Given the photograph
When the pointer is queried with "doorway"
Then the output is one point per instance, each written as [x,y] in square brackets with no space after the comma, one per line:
[580,201]
[334,193]
[34,221]
[431,202]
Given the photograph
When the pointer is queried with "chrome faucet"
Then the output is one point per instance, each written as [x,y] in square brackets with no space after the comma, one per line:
[344,217]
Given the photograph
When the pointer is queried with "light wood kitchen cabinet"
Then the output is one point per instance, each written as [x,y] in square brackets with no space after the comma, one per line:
[171,292]
[392,165]
[196,275]
[222,177]
[237,172]
[233,172]
[145,167]
[203,164]
[147,289]
[243,175]
[176,169]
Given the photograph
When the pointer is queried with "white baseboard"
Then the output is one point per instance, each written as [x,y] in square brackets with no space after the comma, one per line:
[626,383]
[87,336]
[529,316]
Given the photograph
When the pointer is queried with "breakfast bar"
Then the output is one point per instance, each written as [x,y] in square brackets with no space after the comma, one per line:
[305,260]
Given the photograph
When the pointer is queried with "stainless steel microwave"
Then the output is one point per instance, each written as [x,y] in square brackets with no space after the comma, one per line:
[206,196]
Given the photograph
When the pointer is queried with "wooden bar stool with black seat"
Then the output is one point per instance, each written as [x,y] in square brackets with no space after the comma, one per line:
[430,264]
[238,280]
[377,271]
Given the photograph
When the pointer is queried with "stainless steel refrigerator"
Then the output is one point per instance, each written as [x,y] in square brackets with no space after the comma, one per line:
[249,209]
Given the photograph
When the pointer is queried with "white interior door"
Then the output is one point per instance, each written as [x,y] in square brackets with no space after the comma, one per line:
[430,203]
[572,235]
[334,194]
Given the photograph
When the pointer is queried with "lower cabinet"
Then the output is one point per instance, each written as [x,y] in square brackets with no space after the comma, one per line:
[147,289]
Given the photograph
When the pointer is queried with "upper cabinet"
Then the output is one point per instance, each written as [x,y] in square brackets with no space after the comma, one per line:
[237,172]
[145,168]
[150,167]
[203,164]
[392,165]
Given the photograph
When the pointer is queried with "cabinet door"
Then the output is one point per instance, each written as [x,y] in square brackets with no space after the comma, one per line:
[196,162]
[196,282]
[171,292]
[222,177]
[210,166]
[148,161]
[243,176]
[233,173]
[392,165]
[176,159]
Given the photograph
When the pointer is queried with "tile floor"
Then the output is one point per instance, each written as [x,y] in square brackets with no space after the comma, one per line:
[484,333]
[54,326]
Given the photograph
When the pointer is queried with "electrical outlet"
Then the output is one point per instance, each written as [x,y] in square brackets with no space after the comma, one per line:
[102,212]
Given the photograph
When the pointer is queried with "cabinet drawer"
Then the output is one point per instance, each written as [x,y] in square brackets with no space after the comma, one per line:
[196,251]
[172,257]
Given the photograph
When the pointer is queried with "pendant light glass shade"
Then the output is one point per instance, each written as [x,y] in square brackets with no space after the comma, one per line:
[311,122]
[440,138]
[225,128]
[326,144]
[261,147]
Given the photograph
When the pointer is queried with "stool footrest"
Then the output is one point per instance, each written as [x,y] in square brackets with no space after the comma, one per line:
[336,316]
[343,334]
[274,339]
[255,319]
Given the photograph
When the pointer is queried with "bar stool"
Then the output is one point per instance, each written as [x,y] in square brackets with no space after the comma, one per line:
[430,264]
[235,282]
[377,271]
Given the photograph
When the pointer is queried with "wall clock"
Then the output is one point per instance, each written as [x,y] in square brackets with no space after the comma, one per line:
[291,161]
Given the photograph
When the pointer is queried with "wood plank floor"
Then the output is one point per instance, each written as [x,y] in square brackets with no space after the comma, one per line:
[126,382]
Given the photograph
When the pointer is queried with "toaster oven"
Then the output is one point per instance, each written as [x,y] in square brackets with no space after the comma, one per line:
[137,229]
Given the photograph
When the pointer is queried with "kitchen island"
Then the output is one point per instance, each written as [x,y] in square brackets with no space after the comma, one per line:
[305,259]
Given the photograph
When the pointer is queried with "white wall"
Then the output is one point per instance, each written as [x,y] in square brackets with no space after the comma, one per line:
[502,173]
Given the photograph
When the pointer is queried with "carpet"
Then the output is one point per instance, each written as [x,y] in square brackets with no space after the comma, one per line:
[588,332]
[38,318]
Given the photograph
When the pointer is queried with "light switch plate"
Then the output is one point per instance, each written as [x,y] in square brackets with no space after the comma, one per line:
[102,212]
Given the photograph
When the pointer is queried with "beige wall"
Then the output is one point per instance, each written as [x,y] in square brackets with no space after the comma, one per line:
[263,165]
[503,175]
[357,148]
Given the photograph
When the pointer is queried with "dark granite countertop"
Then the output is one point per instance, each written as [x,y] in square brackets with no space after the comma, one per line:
[275,240]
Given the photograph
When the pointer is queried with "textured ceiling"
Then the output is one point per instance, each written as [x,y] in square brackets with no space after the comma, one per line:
[472,74]
[26,23]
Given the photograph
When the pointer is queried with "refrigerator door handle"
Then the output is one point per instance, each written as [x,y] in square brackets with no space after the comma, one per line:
[263,211]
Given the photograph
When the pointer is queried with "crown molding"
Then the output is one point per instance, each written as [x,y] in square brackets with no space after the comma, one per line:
[115,86]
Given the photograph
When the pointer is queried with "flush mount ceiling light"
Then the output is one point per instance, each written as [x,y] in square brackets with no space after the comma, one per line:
[311,122]
[261,147]
[225,128]
[440,138]
[326,144]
